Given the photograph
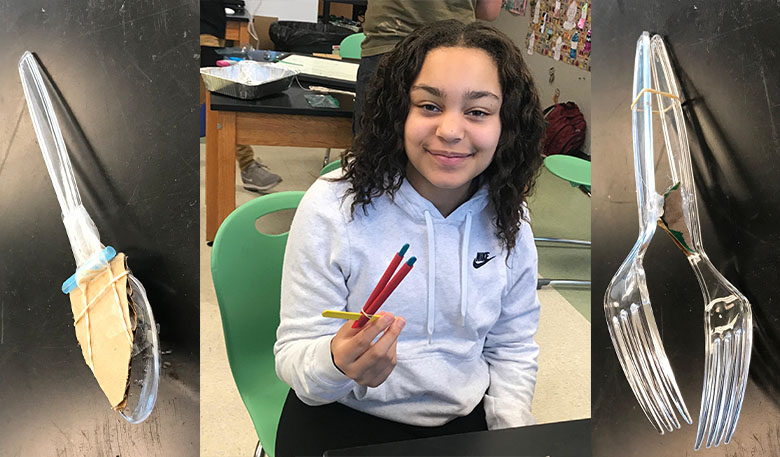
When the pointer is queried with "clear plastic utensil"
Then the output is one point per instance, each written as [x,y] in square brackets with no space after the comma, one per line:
[627,307]
[85,241]
[727,313]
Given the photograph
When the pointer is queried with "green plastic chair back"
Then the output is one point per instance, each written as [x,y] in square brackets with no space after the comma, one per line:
[350,46]
[572,169]
[246,267]
[330,167]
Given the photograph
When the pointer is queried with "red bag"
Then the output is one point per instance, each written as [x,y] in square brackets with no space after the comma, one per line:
[565,133]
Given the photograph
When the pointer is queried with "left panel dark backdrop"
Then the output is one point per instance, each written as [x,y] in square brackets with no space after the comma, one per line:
[127,72]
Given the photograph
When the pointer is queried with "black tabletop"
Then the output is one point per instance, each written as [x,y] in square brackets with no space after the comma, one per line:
[242,16]
[560,439]
[290,101]
[126,101]
[725,55]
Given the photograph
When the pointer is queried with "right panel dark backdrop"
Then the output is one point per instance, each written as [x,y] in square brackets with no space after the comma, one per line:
[726,55]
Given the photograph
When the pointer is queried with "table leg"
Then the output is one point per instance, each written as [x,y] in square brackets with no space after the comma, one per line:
[243,34]
[220,167]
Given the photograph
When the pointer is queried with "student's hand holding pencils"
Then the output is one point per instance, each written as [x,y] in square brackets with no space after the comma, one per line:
[357,356]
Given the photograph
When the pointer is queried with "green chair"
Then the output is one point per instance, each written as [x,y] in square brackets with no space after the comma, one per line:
[330,167]
[572,169]
[350,46]
[577,172]
[246,267]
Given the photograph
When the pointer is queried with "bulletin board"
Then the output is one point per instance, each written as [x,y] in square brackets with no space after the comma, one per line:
[560,29]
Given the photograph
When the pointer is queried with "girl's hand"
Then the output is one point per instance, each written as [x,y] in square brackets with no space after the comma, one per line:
[369,364]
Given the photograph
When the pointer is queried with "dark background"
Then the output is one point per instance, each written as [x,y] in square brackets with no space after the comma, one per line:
[727,57]
[127,73]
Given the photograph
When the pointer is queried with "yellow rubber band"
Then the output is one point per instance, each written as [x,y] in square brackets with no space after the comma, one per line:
[647,89]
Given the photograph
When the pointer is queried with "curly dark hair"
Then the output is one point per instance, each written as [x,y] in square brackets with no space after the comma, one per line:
[376,162]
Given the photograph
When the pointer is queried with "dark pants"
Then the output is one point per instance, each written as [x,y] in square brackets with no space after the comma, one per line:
[366,72]
[311,430]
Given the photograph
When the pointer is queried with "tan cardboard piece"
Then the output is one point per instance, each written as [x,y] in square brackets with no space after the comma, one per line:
[105,330]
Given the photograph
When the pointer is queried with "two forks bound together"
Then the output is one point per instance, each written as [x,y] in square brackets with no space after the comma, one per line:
[727,313]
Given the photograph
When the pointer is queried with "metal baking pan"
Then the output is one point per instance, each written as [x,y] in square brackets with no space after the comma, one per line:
[248,79]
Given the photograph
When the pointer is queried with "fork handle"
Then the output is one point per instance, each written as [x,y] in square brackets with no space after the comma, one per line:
[648,201]
[82,233]
[675,135]
[717,290]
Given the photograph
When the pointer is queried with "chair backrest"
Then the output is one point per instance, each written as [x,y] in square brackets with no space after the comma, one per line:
[350,46]
[246,267]
[330,167]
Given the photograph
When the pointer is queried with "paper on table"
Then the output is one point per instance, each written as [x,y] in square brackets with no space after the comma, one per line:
[109,325]
[326,68]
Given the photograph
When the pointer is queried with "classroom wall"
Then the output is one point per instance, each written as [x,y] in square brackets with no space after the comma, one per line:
[285,10]
[573,82]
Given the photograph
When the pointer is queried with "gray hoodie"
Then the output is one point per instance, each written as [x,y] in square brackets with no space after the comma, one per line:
[470,315]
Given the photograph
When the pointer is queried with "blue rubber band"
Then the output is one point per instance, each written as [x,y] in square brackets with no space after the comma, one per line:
[93,263]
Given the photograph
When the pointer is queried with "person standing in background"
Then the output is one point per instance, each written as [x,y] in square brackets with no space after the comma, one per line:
[390,21]
[254,175]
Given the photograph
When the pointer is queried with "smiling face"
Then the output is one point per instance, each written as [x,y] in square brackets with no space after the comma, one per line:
[454,124]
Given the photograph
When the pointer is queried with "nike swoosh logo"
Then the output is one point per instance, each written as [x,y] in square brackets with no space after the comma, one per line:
[478,264]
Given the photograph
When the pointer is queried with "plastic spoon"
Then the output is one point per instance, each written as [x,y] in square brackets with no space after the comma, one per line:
[88,252]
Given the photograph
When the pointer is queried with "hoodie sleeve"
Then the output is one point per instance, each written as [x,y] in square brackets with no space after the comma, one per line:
[510,349]
[316,265]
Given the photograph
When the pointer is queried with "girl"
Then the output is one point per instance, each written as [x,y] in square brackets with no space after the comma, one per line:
[448,151]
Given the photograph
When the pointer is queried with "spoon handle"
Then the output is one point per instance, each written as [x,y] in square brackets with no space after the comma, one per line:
[82,233]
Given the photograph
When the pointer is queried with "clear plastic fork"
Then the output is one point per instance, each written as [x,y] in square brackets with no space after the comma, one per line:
[727,313]
[627,306]
[88,251]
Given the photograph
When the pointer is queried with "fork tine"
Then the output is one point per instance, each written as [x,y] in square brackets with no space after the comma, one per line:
[650,384]
[664,370]
[733,387]
[651,354]
[717,389]
[674,392]
[717,427]
[745,340]
[710,361]
[627,361]
[629,368]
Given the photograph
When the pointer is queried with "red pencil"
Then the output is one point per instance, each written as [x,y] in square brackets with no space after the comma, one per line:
[386,276]
[383,280]
[373,307]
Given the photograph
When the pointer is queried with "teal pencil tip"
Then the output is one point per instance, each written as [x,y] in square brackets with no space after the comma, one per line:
[403,250]
[411,261]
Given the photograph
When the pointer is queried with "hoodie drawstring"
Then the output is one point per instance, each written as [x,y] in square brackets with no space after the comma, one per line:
[431,274]
[464,264]
[464,270]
